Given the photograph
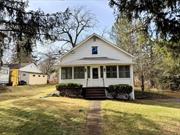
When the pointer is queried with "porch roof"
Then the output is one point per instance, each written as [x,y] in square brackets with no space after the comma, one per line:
[95,61]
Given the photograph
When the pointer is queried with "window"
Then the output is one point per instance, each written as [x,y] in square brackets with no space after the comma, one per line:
[88,71]
[66,73]
[34,75]
[101,69]
[24,74]
[111,71]
[39,75]
[79,72]
[43,75]
[124,72]
[94,50]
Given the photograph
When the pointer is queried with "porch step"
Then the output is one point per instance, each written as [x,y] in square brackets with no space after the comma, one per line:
[95,92]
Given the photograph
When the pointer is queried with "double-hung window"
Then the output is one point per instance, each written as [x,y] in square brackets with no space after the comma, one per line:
[66,73]
[111,71]
[94,50]
[124,71]
[79,72]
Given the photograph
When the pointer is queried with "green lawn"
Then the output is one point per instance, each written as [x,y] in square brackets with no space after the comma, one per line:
[142,117]
[27,111]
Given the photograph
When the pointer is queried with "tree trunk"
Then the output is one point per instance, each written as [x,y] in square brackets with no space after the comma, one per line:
[142,83]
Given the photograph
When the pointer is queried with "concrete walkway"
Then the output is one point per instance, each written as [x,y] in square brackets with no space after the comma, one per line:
[93,126]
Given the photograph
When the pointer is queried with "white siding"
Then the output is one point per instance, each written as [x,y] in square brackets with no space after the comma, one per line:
[4,75]
[37,79]
[23,76]
[104,50]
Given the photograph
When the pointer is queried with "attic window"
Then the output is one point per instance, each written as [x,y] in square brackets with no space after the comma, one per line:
[94,50]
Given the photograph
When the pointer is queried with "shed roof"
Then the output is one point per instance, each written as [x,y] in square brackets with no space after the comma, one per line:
[31,68]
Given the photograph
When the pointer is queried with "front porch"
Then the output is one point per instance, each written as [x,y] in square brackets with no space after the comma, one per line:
[97,75]
[96,78]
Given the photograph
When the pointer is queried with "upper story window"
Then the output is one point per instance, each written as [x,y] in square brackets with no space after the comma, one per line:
[94,50]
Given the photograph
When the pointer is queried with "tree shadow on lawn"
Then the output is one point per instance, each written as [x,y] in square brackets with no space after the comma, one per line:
[117,122]
[162,103]
[38,122]
[151,95]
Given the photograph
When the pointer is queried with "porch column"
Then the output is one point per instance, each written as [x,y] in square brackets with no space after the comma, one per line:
[72,72]
[117,71]
[59,74]
[104,72]
[91,72]
[86,72]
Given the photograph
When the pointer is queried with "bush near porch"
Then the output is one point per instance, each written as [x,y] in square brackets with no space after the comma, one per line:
[119,89]
[69,89]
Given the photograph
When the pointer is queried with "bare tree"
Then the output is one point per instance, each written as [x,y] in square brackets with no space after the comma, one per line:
[79,21]
[48,60]
[47,65]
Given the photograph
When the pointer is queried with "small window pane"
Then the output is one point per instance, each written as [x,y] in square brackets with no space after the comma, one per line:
[124,72]
[79,73]
[66,73]
[94,50]
[111,71]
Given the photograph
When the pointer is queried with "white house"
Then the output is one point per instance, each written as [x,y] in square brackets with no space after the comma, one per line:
[96,62]
[32,75]
[4,75]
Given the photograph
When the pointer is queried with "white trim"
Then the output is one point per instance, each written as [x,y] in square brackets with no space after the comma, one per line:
[103,39]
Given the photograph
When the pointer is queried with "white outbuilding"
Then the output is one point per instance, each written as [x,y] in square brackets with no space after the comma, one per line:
[32,75]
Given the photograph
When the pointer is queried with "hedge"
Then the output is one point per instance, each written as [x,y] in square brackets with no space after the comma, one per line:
[69,89]
[119,89]
[68,86]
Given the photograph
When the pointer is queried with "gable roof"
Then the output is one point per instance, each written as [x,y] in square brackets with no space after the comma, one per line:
[100,37]
[31,68]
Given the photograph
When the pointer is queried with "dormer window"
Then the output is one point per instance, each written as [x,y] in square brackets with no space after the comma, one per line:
[94,50]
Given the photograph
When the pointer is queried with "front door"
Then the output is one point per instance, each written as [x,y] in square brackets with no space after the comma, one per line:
[95,73]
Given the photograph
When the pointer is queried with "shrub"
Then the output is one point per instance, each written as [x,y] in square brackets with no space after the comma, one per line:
[69,89]
[68,86]
[119,89]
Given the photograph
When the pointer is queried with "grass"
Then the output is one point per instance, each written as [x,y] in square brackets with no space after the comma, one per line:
[156,94]
[26,110]
[142,117]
